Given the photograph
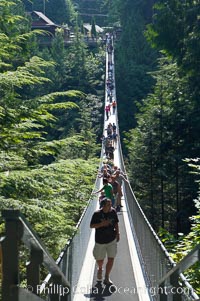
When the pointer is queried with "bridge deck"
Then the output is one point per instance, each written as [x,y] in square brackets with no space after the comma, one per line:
[127,276]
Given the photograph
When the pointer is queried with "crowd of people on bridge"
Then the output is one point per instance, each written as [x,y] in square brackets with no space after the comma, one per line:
[112,184]
[111,174]
[111,103]
[105,220]
[110,141]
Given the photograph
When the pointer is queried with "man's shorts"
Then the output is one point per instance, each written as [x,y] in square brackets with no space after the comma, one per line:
[101,250]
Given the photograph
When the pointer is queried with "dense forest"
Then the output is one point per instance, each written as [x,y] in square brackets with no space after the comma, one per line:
[51,111]
[50,116]
[159,114]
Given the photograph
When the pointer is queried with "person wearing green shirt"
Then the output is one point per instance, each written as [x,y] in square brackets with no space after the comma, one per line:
[108,190]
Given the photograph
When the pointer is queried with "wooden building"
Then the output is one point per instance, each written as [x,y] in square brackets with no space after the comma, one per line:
[40,21]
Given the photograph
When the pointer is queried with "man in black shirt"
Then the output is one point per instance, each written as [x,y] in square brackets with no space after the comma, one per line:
[105,222]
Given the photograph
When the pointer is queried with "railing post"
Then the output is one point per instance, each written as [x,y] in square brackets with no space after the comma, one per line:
[55,289]
[65,268]
[33,270]
[10,251]
[162,292]
[65,296]
[175,285]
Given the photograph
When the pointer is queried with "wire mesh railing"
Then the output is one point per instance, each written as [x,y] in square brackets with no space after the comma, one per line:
[72,256]
[154,257]
[72,262]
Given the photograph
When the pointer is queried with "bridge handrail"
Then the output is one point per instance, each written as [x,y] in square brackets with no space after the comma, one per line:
[19,229]
[65,260]
[173,275]
[161,262]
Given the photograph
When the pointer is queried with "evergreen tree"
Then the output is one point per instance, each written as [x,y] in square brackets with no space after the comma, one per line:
[76,63]
[134,60]
[71,13]
[93,29]
[182,44]
[158,146]
[58,54]
[89,8]
[27,111]
[59,11]
[113,8]
[186,243]
[24,109]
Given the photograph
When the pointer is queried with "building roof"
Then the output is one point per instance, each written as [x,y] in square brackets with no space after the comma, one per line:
[88,27]
[44,18]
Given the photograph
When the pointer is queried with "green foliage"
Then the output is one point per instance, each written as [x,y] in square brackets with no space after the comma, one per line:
[134,60]
[182,44]
[97,8]
[114,8]
[71,13]
[47,150]
[168,239]
[158,146]
[59,11]
[84,69]
[51,197]
[31,116]
[11,161]
[25,75]
[188,242]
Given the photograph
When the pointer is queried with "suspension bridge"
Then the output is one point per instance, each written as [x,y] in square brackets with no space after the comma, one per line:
[143,269]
